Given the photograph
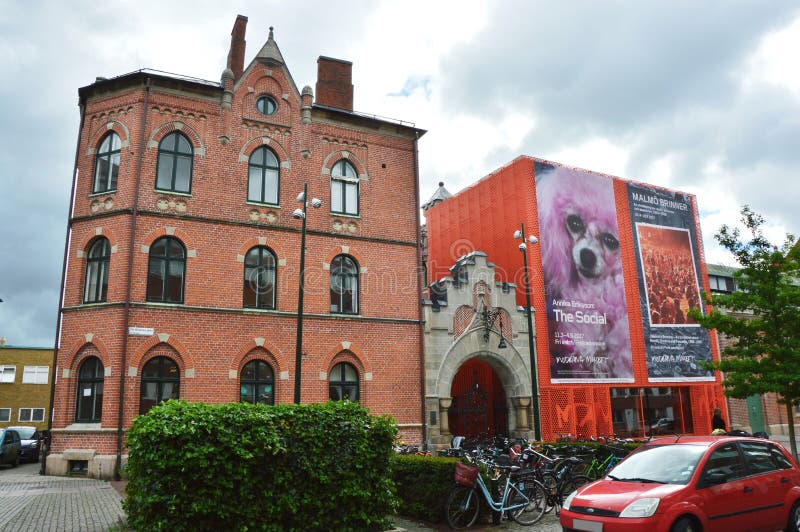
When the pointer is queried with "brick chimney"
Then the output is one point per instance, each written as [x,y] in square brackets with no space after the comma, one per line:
[236,53]
[334,83]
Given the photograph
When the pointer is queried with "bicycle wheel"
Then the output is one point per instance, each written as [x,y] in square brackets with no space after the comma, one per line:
[537,502]
[550,483]
[462,508]
[571,484]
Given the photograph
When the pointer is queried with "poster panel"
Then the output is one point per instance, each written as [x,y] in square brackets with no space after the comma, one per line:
[668,265]
[587,313]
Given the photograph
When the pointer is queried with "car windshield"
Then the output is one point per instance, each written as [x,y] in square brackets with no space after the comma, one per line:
[25,433]
[666,464]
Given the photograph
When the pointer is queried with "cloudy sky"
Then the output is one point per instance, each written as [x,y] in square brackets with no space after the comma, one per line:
[703,97]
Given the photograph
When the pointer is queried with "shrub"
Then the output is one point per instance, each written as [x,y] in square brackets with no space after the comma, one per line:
[238,466]
[423,483]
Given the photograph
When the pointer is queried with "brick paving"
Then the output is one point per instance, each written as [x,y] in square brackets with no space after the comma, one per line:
[549,523]
[29,501]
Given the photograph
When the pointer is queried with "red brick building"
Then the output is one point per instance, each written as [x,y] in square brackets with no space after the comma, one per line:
[184,254]
[616,266]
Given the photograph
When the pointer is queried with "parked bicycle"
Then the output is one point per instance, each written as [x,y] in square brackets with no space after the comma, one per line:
[402,448]
[558,475]
[600,466]
[521,497]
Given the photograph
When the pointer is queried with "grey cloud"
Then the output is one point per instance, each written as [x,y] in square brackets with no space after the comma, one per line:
[658,79]
[614,64]
[764,127]
[49,49]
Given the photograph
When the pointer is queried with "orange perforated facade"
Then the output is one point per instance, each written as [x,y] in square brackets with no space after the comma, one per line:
[485,216]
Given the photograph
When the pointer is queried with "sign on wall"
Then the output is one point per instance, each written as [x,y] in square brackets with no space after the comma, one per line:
[668,265]
[587,312]
[141,331]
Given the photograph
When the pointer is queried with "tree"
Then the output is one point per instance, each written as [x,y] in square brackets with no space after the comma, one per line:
[762,317]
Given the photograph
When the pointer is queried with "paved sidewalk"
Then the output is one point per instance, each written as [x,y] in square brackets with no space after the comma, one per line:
[29,501]
[549,523]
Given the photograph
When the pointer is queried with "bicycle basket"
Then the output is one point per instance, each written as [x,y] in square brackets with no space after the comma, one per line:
[466,475]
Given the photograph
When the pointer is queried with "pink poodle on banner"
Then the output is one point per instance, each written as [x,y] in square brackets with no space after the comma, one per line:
[587,313]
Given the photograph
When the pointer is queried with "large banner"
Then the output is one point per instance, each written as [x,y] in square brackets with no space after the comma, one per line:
[587,314]
[668,264]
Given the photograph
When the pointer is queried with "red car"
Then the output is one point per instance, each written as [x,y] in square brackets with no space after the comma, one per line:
[692,483]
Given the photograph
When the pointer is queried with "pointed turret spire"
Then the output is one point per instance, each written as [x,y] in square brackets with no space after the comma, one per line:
[270,53]
[439,196]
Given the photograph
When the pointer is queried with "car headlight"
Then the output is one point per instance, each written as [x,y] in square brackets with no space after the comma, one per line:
[645,507]
[568,500]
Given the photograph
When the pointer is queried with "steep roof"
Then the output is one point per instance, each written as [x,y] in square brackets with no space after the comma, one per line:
[439,196]
[719,269]
[270,54]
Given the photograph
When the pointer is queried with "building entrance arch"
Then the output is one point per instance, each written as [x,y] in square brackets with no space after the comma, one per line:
[479,409]
[477,354]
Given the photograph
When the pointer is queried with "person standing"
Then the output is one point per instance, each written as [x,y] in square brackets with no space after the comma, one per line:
[716,421]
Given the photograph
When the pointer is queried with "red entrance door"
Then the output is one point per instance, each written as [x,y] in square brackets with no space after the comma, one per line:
[479,410]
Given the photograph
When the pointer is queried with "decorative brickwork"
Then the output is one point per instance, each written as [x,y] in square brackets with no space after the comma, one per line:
[210,336]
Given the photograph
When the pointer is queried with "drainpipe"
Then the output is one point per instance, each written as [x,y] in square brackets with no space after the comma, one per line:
[54,365]
[420,284]
[128,287]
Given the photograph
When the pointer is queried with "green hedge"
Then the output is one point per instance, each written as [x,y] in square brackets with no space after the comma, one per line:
[237,466]
[584,447]
[423,483]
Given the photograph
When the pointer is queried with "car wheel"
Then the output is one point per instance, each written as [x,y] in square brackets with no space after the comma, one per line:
[794,518]
[685,524]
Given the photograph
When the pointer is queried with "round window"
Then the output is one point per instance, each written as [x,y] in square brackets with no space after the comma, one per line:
[266,105]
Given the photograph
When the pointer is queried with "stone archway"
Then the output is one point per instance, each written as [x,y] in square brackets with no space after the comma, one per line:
[476,320]
[511,390]
[479,410]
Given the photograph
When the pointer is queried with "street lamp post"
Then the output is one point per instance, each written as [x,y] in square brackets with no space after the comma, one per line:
[523,247]
[300,214]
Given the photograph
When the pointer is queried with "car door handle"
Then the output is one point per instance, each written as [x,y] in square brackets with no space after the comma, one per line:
[784,480]
[748,489]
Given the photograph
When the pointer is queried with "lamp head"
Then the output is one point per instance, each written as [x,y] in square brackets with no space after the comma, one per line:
[316,203]
[522,247]
[532,239]
[502,344]
[517,234]
[298,214]
[301,197]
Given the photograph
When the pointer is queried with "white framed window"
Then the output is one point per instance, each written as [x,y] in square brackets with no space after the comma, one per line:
[35,374]
[7,374]
[5,415]
[31,414]
[344,188]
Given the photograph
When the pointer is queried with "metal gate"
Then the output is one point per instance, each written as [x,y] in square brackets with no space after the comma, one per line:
[470,411]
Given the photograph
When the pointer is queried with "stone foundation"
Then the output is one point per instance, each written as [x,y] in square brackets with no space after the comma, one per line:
[98,466]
